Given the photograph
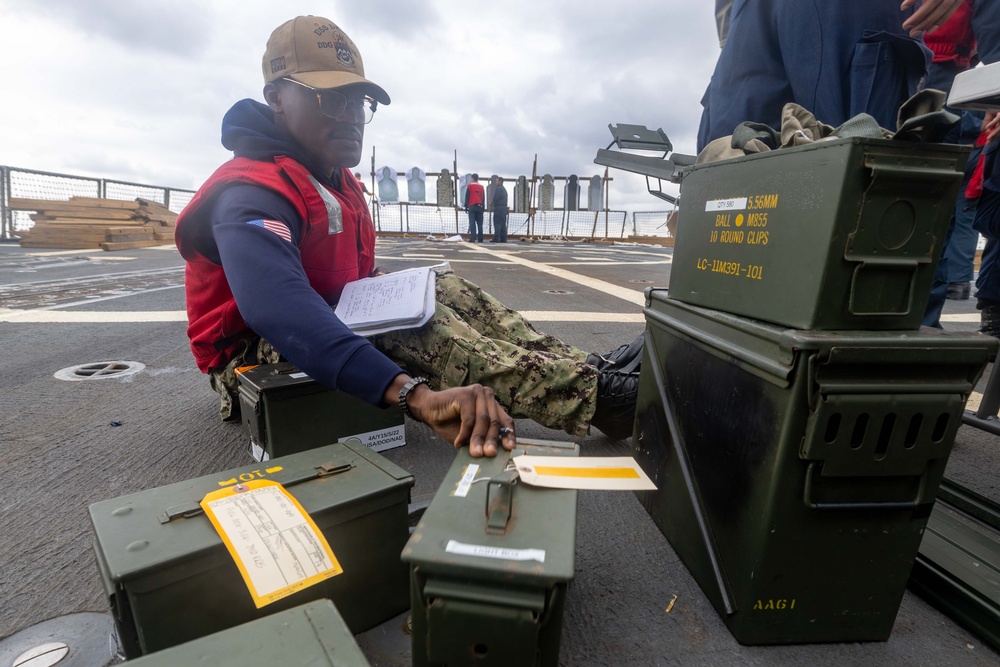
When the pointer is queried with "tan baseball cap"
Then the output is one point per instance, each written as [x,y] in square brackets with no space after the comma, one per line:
[316,52]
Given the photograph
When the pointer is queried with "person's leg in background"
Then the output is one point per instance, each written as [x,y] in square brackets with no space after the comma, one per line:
[961,249]
[939,288]
[987,222]
[956,263]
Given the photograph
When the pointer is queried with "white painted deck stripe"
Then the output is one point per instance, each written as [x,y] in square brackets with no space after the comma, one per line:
[632,296]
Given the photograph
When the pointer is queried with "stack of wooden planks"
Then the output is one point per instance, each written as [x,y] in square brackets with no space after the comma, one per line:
[88,222]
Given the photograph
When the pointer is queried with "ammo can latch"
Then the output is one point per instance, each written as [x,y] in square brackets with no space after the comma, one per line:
[879,418]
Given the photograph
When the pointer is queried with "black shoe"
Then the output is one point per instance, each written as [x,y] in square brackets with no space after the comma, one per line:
[989,319]
[625,358]
[958,291]
[616,396]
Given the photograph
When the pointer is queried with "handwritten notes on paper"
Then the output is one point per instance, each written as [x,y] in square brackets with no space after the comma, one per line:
[400,300]
[274,542]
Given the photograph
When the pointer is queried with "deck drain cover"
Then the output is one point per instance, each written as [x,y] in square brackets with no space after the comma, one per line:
[557,291]
[99,370]
[640,280]
[75,640]
[45,655]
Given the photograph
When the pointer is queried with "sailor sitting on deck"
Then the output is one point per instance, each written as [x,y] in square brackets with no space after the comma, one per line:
[273,236]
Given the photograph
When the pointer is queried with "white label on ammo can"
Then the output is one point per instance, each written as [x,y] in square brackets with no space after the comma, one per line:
[483,551]
[378,441]
[258,453]
[464,484]
[734,204]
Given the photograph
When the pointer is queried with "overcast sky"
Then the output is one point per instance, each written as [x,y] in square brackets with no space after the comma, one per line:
[135,90]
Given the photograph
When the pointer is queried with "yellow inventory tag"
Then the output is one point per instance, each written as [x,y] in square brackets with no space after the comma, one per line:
[275,543]
[603,473]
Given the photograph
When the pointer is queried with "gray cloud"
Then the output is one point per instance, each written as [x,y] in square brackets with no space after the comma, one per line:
[166,28]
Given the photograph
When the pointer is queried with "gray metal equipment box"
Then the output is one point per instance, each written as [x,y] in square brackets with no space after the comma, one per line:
[490,563]
[840,234]
[313,634]
[170,579]
[285,412]
[796,469]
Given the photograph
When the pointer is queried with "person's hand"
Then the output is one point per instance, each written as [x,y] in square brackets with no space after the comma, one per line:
[992,125]
[464,416]
[931,15]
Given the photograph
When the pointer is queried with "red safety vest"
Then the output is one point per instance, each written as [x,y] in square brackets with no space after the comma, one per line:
[476,194]
[330,260]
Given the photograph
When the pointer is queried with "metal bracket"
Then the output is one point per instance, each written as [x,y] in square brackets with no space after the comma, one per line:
[639,137]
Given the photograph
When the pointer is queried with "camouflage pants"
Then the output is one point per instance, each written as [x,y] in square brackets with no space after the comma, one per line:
[472,338]
[252,351]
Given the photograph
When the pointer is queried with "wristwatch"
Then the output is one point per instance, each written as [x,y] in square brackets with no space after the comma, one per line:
[405,392]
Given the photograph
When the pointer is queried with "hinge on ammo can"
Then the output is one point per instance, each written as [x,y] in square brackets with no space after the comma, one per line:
[325,469]
[812,382]
[188,510]
[185,511]
[498,515]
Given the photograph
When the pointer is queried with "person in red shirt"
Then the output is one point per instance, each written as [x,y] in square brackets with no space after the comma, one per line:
[475,200]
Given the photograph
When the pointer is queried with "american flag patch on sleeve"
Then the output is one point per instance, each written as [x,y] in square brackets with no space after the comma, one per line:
[276,226]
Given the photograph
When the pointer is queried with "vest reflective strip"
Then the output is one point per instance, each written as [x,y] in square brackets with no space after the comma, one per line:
[334,214]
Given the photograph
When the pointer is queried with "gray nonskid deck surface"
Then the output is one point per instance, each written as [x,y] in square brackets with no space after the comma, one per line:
[59,452]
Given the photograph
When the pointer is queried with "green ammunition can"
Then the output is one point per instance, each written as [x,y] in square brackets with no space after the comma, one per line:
[840,234]
[313,634]
[796,469]
[285,411]
[490,562]
[170,579]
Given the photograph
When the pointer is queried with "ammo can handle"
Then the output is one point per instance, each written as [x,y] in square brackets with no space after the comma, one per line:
[887,263]
[892,505]
[496,521]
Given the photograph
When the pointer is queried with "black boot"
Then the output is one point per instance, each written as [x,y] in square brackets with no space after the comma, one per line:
[616,396]
[624,359]
[990,321]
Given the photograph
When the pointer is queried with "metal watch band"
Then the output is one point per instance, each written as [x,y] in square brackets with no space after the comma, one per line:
[405,392]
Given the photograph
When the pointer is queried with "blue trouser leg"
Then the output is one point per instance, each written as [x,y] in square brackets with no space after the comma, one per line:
[987,223]
[939,288]
[477,231]
[961,249]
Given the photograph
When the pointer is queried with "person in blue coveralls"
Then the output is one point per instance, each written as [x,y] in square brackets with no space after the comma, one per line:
[834,59]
